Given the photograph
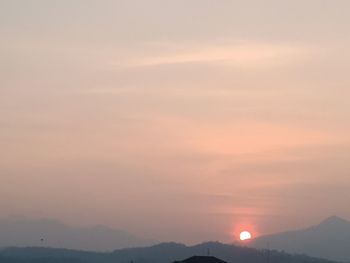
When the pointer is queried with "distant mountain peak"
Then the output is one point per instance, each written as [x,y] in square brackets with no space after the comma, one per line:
[334,220]
[329,239]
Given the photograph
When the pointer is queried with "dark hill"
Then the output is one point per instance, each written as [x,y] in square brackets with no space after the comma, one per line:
[162,253]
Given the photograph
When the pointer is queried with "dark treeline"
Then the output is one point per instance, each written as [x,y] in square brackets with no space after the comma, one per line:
[162,253]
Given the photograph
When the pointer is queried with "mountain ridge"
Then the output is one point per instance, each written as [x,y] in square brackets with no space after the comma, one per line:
[328,239]
[23,232]
[160,253]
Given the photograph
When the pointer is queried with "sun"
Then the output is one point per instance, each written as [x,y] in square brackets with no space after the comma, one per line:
[245,235]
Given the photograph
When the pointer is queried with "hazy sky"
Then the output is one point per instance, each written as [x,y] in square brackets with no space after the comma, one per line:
[182,120]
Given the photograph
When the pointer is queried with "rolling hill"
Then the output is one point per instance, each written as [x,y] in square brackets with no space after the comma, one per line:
[162,253]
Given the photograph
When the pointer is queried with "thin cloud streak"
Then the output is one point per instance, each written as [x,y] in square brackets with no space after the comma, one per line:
[244,55]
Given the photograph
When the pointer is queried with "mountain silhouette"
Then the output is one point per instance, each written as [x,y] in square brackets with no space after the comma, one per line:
[162,253]
[330,239]
[22,232]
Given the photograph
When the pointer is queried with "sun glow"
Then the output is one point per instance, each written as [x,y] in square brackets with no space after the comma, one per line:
[245,235]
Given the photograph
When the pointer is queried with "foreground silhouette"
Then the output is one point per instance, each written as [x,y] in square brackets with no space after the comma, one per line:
[162,253]
[201,259]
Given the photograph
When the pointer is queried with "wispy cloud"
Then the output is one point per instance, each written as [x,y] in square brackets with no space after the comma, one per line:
[241,54]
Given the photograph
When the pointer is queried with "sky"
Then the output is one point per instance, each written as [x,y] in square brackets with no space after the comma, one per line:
[186,120]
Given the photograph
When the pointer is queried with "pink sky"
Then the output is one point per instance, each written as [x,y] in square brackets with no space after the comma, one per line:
[175,120]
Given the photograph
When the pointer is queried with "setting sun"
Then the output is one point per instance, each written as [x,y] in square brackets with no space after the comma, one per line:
[245,235]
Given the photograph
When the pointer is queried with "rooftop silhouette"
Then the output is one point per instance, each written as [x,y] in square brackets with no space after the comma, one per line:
[201,259]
